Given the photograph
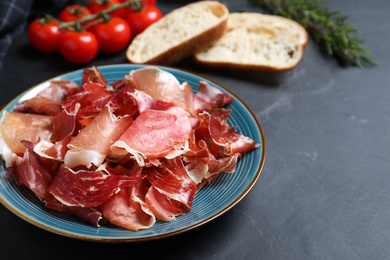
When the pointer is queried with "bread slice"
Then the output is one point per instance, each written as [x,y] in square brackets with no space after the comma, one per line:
[257,41]
[179,33]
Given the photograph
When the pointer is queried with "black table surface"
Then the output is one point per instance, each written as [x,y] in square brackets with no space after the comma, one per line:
[324,190]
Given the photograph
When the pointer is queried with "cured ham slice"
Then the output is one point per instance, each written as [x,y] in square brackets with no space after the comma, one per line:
[43,105]
[222,139]
[208,98]
[59,90]
[173,190]
[64,126]
[154,134]
[38,105]
[127,208]
[128,211]
[163,86]
[16,127]
[161,130]
[145,102]
[91,98]
[91,215]
[92,144]
[86,188]
[36,173]
[47,101]
[162,207]
[122,101]
[93,75]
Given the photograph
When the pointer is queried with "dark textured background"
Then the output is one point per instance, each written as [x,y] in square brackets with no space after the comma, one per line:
[324,191]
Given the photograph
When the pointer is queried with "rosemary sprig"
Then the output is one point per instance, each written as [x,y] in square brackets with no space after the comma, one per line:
[327,28]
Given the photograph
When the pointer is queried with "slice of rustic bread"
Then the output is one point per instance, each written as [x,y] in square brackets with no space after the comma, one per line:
[180,33]
[257,41]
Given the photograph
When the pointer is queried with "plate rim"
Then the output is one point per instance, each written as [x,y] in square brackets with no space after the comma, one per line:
[247,189]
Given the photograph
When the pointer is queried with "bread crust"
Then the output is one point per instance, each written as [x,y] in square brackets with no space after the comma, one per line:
[185,48]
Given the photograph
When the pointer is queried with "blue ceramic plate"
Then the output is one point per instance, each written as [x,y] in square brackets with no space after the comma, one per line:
[211,201]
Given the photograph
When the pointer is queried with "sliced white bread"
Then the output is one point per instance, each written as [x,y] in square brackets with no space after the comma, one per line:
[257,41]
[179,33]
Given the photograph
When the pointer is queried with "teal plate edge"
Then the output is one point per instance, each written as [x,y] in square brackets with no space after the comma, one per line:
[210,202]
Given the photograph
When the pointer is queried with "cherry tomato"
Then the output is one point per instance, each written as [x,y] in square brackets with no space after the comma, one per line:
[78,46]
[142,19]
[73,12]
[113,35]
[143,2]
[99,5]
[44,35]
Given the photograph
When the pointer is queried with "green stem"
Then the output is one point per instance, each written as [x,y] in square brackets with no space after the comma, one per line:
[104,13]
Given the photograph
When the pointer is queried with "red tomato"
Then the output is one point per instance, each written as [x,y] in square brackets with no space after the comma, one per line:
[142,19]
[148,2]
[44,35]
[142,3]
[113,35]
[98,5]
[78,47]
[73,12]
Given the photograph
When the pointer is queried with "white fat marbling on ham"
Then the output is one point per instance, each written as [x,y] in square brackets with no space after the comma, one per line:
[163,86]
[5,153]
[74,158]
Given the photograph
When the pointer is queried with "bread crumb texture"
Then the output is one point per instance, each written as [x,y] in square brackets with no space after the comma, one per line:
[253,39]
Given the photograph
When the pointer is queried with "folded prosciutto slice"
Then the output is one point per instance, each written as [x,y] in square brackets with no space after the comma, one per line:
[222,139]
[92,145]
[128,208]
[16,127]
[36,173]
[163,86]
[208,98]
[154,134]
[161,130]
[132,152]
[172,190]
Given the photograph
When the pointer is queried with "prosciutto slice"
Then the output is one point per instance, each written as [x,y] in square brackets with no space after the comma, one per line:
[163,86]
[16,127]
[92,215]
[36,173]
[127,208]
[93,75]
[86,188]
[173,190]
[64,126]
[222,139]
[208,98]
[92,144]
[47,101]
[154,134]
[161,130]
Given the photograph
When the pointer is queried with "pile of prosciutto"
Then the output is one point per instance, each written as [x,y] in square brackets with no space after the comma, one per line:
[130,153]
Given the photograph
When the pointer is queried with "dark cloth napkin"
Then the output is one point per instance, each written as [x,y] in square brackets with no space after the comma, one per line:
[15,15]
